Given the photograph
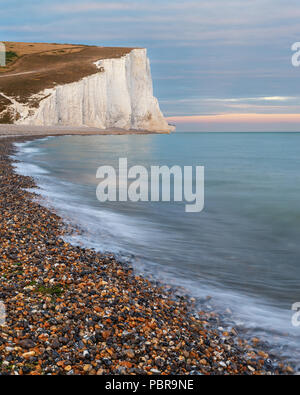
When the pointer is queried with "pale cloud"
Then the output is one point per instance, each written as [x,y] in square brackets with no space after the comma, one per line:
[214,106]
[91,6]
[258,99]
[277,98]
[254,17]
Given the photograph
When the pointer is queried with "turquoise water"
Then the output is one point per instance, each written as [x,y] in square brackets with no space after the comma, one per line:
[243,250]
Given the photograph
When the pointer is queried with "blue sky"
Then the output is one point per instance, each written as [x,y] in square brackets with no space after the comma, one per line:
[208,57]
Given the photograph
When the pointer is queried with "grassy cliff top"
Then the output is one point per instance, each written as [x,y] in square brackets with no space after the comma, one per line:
[33,67]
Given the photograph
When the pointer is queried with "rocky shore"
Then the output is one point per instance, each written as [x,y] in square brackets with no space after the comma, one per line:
[72,311]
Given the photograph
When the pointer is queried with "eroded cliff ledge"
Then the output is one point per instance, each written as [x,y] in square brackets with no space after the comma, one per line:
[80,86]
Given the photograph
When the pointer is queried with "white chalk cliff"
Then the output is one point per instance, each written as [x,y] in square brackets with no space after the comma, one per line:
[119,95]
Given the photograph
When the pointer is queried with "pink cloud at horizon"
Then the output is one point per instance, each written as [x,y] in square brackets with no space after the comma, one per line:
[239,118]
[237,123]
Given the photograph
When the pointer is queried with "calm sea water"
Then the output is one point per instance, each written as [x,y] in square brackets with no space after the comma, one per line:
[243,250]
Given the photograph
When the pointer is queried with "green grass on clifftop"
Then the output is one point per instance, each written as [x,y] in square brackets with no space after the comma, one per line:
[11,57]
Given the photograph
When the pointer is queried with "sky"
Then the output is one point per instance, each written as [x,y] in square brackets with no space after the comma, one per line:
[217,65]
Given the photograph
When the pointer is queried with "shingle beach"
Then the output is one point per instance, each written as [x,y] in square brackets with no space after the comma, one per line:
[72,311]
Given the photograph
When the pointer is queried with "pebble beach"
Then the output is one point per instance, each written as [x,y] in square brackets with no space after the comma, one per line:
[73,311]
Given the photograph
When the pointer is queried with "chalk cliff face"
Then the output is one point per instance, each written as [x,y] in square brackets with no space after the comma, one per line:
[119,95]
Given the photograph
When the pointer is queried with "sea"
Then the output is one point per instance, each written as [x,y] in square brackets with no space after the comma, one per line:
[240,255]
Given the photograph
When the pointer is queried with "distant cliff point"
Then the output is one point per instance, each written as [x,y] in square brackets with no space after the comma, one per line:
[78,85]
